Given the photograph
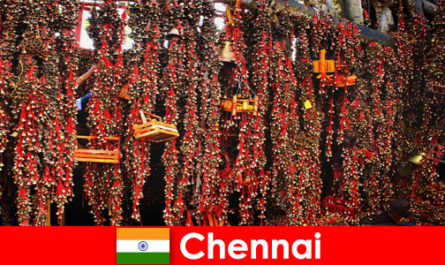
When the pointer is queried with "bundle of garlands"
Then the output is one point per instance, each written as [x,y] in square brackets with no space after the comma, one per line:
[103,183]
[428,187]
[256,200]
[37,108]
[243,175]
[173,78]
[143,78]
[205,187]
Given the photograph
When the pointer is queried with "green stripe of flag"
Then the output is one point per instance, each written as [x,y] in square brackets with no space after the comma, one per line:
[143,258]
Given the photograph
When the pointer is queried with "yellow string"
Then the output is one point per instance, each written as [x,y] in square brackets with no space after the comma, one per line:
[229,17]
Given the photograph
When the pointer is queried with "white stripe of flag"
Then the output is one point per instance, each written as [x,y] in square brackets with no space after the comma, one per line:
[153,246]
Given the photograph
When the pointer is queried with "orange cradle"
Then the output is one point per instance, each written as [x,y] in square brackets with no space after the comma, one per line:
[340,80]
[154,130]
[324,66]
[236,105]
[99,155]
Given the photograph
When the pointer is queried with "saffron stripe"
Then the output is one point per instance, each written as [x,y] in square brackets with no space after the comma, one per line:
[142,234]
[143,258]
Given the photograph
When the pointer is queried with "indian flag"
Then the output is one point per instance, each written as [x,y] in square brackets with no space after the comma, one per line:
[143,246]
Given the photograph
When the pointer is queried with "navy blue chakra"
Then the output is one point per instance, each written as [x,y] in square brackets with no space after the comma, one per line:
[143,245]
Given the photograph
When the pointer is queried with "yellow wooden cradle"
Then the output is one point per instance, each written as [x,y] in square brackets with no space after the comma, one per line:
[154,130]
[236,105]
[323,67]
[100,155]
[340,80]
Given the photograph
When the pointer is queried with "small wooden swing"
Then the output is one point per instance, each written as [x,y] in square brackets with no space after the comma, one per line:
[340,80]
[236,105]
[323,66]
[99,155]
[154,130]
